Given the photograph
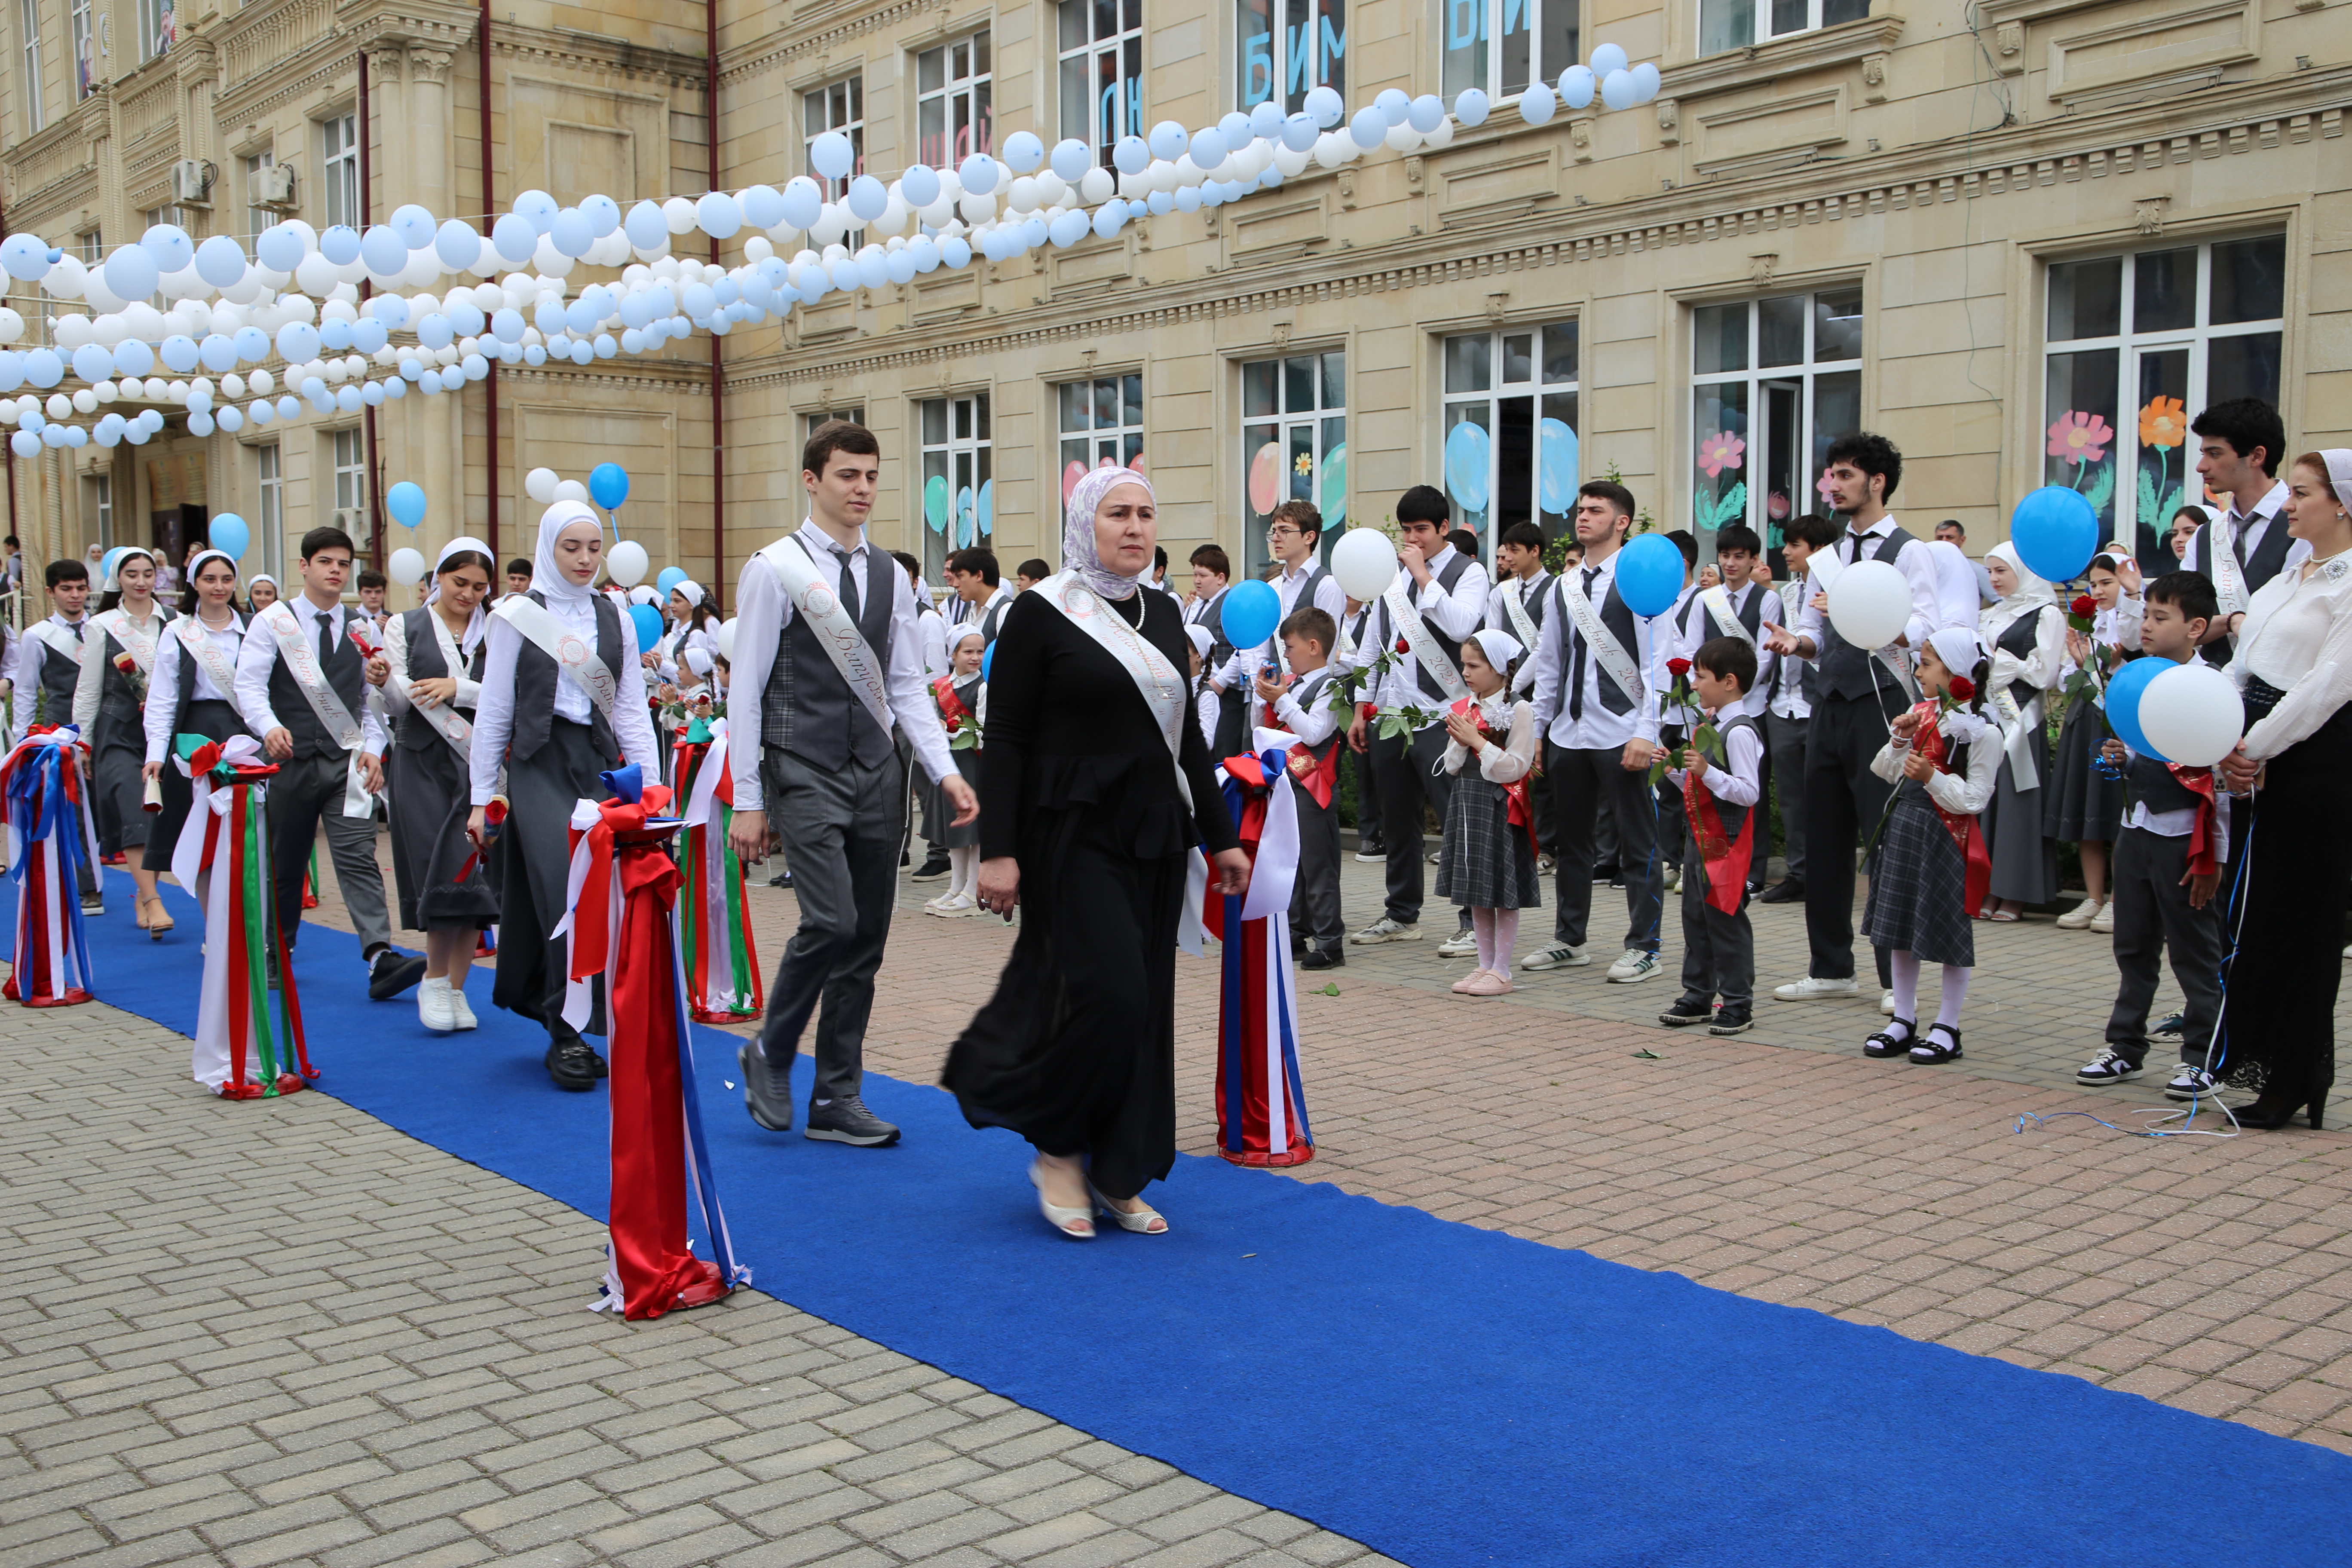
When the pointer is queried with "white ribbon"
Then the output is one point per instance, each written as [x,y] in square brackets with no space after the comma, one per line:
[1606,649]
[842,643]
[54,916]
[705,778]
[580,995]
[1406,618]
[570,651]
[1272,877]
[209,1060]
[1524,627]
[302,663]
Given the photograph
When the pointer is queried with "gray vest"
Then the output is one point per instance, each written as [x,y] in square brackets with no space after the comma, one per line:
[2267,562]
[1731,816]
[59,676]
[2153,785]
[2018,642]
[1618,616]
[808,709]
[535,679]
[1846,668]
[1311,691]
[1445,578]
[424,663]
[346,672]
[1751,615]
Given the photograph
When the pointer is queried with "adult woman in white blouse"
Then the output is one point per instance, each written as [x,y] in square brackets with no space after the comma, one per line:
[2026,631]
[193,693]
[2294,665]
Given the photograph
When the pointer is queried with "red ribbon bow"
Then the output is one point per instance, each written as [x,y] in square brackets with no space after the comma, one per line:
[1968,832]
[2204,838]
[618,823]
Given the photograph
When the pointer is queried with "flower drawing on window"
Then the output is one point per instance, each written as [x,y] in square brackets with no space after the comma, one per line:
[1720,451]
[2080,437]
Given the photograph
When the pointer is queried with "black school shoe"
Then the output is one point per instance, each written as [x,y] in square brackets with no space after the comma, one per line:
[932,869]
[1686,1011]
[1788,890]
[391,973]
[573,1064]
[1327,957]
[846,1121]
[1730,1021]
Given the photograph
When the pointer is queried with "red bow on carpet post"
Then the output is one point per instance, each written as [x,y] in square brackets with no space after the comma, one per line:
[1260,1103]
[622,924]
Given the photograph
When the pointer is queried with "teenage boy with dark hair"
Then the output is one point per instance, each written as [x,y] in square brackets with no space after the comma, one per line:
[2169,858]
[1029,574]
[1787,686]
[1857,693]
[1719,943]
[1213,572]
[2238,445]
[1294,537]
[1300,702]
[47,666]
[1518,605]
[373,586]
[1438,599]
[1597,704]
[1735,607]
[519,574]
[301,685]
[977,584]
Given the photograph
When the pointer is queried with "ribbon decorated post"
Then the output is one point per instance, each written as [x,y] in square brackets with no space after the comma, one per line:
[1260,1103]
[722,967]
[51,837]
[622,925]
[238,1054]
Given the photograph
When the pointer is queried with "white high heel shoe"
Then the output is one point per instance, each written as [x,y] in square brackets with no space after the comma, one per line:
[1140,1221]
[1078,1224]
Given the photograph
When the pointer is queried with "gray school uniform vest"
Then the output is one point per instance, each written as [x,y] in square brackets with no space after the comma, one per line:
[1311,691]
[1618,616]
[2018,642]
[424,663]
[59,676]
[1845,668]
[2153,785]
[808,709]
[346,672]
[535,679]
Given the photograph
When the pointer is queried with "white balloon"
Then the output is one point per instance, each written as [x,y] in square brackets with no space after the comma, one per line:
[1870,604]
[1365,563]
[2192,714]
[572,489]
[405,567]
[540,485]
[628,563]
[724,636]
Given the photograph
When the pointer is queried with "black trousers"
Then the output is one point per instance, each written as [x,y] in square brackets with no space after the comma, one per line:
[1784,764]
[2153,920]
[1315,898]
[1718,950]
[1673,824]
[1581,782]
[1844,801]
[1408,775]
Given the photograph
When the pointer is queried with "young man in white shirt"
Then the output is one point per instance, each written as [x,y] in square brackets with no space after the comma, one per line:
[1212,570]
[1787,684]
[1857,693]
[1596,701]
[1294,536]
[45,666]
[2238,445]
[980,589]
[1446,594]
[814,767]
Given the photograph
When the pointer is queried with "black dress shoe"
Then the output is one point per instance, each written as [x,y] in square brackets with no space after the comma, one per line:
[1730,1021]
[933,868]
[573,1064]
[1686,1011]
[767,1091]
[391,973]
[781,879]
[846,1121]
[1788,890]
[1324,958]
[1608,873]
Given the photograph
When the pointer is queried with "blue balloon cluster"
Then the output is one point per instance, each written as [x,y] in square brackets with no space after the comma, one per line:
[1251,612]
[1650,575]
[2125,688]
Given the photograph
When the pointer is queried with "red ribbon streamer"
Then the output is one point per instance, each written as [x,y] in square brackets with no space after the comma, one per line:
[1968,832]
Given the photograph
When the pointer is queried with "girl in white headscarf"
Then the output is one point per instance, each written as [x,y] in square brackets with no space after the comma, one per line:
[260,593]
[1488,865]
[553,738]
[1094,789]
[2026,632]
[1929,859]
[437,654]
[189,697]
[109,707]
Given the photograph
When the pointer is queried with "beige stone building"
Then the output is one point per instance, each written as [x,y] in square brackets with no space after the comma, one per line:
[1987,230]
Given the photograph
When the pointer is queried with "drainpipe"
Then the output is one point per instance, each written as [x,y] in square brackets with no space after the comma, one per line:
[367,415]
[8,453]
[489,203]
[718,344]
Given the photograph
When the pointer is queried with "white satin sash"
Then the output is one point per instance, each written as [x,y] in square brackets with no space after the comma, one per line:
[302,663]
[819,605]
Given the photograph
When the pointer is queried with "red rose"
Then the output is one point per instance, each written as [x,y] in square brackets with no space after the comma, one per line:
[953,724]
[1404,647]
[1678,667]
[2083,606]
[1963,689]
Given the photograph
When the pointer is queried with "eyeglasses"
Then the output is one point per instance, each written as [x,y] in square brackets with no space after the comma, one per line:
[1282,531]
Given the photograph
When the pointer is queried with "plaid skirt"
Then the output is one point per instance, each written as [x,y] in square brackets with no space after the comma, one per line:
[1483,862]
[1918,887]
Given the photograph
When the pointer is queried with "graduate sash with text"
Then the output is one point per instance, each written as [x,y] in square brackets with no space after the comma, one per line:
[861,668]
[302,663]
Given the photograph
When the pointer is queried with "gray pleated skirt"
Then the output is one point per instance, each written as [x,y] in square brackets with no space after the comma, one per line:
[431,800]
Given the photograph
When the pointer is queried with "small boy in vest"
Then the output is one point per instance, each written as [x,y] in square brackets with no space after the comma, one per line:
[1302,705]
[2169,859]
[1719,796]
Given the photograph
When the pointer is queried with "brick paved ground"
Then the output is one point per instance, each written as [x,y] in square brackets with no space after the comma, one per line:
[2214,1275]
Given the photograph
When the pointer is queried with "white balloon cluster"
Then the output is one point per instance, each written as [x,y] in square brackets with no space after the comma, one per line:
[297,301]
[627,562]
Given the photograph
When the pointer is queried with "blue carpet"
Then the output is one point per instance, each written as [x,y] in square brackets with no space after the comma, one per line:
[1448,1395]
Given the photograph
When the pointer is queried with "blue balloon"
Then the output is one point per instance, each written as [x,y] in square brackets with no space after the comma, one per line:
[1650,575]
[987,661]
[2056,532]
[1467,454]
[228,534]
[1252,611]
[671,576]
[649,625]
[1555,451]
[406,501]
[608,485]
[2123,691]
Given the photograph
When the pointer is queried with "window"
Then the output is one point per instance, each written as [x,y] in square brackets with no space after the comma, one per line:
[2176,330]
[338,168]
[1741,23]
[958,488]
[84,48]
[28,35]
[170,215]
[1511,429]
[1101,426]
[953,113]
[102,506]
[841,107]
[351,486]
[1308,49]
[257,216]
[1500,45]
[809,423]
[271,513]
[1294,444]
[1102,72]
[90,246]
[159,29]
[1773,383]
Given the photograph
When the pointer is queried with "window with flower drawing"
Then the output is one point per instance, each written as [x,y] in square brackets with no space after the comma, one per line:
[1773,383]
[1511,429]
[2134,346]
[1294,446]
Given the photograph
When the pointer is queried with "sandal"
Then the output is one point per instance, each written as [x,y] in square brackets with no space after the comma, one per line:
[1928,1052]
[1078,1224]
[2003,917]
[156,924]
[1145,1221]
[1883,1044]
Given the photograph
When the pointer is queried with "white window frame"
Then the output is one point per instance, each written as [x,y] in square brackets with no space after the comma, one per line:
[855,414]
[1077,64]
[269,510]
[1487,61]
[1087,439]
[84,29]
[91,246]
[1288,47]
[2130,344]
[974,92]
[339,169]
[1719,29]
[840,105]
[958,447]
[1296,427]
[1765,387]
[1549,397]
[257,216]
[159,27]
[102,497]
[28,28]
[347,450]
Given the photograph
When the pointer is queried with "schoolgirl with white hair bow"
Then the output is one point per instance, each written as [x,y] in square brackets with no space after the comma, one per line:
[1488,863]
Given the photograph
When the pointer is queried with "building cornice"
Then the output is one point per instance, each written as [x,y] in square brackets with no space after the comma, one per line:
[1760,65]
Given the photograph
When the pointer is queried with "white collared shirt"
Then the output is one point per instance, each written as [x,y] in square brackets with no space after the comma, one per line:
[258,655]
[1918,568]
[164,715]
[632,725]
[1457,615]
[1597,729]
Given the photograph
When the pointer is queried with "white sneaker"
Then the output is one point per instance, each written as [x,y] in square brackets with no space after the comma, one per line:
[1887,1004]
[1672,881]
[1559,956]
[1633,967]
[1811,988]
[433,1008]
[2105,920]
[461,1015]
[955,908]
[1457,944]
[1386,930]
[2080,917]
[2191,1083]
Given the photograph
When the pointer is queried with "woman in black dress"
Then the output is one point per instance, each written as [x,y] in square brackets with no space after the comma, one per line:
[1095,788]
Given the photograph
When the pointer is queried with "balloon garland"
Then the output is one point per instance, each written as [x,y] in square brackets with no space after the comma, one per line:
[297,301]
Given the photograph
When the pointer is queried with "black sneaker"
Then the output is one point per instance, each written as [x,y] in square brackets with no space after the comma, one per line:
[1686,1011]
[2110,1066]
[573,1064]
[1731,1021]
[1328,957]
[933,868]
[1788,890]
[2171,1026]
[767,1092]
[391,973]
[781,879]
[1608,873]
[846,1121]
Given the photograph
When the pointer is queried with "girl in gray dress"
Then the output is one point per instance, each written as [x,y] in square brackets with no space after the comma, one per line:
[118,659]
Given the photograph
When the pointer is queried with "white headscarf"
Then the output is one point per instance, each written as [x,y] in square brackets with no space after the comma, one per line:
[196,563]
[114,583]
[1500,647]
[1960,649]
[262,577]
[693,592]
[2339,474]
[477,623]
[1079,547]
[1201,638]
[2027,598]
[546,576]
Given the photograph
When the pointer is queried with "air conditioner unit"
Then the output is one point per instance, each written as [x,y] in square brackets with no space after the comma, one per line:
[276,185]
[191,185]
[352,520]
